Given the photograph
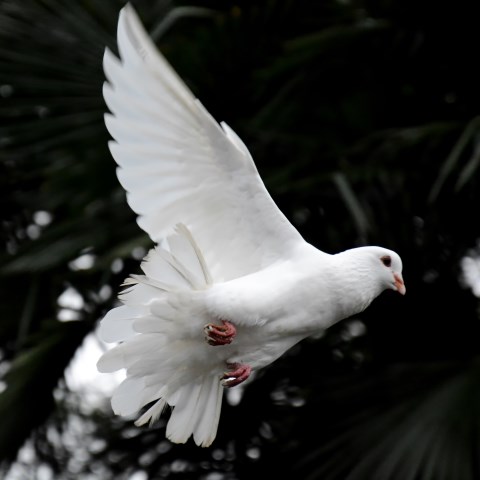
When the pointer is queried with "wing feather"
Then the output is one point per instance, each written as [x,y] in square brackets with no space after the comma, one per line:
[178,165]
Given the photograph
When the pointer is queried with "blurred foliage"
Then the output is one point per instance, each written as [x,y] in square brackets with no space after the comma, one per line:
[363,119]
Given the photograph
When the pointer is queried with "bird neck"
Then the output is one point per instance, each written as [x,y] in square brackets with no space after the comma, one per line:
[358,286]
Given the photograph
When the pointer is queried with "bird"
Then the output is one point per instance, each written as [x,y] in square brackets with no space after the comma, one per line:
[230,284]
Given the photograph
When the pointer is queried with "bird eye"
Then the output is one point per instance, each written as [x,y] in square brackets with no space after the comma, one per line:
[387,260]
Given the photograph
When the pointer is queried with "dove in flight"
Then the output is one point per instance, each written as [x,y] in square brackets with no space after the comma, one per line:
[231,284]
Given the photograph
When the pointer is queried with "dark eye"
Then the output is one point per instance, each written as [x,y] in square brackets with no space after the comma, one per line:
[387,260]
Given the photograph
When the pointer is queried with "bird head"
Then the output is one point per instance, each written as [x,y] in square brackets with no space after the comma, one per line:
[386,265]
[374,268]
[392,270]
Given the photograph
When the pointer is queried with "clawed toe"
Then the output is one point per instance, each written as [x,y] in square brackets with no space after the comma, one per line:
[238,373]
[219,334]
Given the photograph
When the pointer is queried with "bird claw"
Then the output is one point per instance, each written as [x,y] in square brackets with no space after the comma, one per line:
[220,334]
[239,372]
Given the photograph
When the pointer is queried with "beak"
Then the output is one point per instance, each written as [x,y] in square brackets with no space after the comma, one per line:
[399,285]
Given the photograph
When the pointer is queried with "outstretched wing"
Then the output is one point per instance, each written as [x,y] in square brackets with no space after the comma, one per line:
[178,165]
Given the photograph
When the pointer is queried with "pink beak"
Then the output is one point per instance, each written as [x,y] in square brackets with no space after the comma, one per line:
[400,286]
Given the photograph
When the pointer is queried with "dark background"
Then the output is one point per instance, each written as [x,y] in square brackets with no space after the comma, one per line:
[362,117]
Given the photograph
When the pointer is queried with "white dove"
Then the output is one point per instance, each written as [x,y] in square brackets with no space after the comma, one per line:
[232,284]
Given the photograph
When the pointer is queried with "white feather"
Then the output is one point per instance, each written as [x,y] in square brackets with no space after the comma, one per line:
[153,413]
[224,251]
[117,324]
[182,421]
[159,346]
[128,352]
[164,121]
[208,412]
[127,398]
[139,293]
[179,166]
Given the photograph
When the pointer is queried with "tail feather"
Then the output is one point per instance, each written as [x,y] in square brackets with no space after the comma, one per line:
[143,279]
[125,354]
[151,324]
[161,264]
[126,398]
[164,318]
[153,413]
[184,246]
[163,352]
[140,294]
[131,395]
[197,412]
[178,263]
[118,323]
[149,364]
[208,413]
[180,425]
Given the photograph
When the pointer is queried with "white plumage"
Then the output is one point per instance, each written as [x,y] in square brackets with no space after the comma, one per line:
[225,253]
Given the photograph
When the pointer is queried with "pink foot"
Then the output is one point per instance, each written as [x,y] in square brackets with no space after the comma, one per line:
[219,334]
[238,373]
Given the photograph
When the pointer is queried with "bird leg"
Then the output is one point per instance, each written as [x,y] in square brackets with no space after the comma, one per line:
[219,334]
[238,373]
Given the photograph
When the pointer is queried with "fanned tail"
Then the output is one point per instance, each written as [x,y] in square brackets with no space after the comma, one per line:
[196,412]
[162,348]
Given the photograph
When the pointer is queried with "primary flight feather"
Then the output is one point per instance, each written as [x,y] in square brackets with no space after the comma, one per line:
[231,284]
